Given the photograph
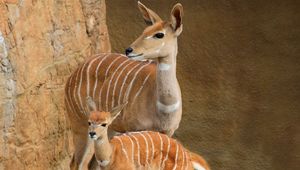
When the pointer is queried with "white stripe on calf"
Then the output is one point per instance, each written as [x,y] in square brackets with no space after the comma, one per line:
[161,149]
[176,157]
[183,157]
[152,146]
[122,145]
[147,152]
[166,158]
[138,149]
[132,146]
[186,160]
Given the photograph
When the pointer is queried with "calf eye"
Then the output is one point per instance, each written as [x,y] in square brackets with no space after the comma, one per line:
[104,125]
[159,35]
[89,123]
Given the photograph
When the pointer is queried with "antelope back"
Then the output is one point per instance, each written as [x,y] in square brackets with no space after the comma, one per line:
[110,80]
[152,150]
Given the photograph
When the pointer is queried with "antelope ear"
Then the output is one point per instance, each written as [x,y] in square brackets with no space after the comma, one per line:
[149,16]
[176,18]
[91,104]
[117,110]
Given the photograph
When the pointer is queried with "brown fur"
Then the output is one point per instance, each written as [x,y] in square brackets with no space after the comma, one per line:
[154,28]
[153,95]
[140,150]
[99,116]
[197,158]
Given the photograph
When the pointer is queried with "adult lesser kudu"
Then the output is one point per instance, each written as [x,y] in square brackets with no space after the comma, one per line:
[150,88]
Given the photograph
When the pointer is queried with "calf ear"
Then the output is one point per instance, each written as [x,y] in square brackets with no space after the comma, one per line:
[91,104]
[149,16]
[176,18]
[117,110]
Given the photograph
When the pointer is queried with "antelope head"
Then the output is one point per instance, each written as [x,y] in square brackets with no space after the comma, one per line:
[99,120]
[159,39]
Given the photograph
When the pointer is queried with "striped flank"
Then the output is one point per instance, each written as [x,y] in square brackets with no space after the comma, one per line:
[153,150]
[110,79]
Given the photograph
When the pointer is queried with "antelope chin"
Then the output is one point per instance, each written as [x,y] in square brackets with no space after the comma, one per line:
[94,137]
[137,57]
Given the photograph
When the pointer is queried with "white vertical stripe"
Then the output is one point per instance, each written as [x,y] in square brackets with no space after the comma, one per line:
[183,157]
[161,150]
[166,158]
[117,79]
[108,68]
[176,157]
[96,81]
[152,146]
[132,81]
[125,78]
[70,108]
[122,145]
[138,149]
[132,147]
[88,75]
[147,152]
[186,160]
[111,78]
[79,88]
[68,96]
[74,92]
[139,91]
[100,94]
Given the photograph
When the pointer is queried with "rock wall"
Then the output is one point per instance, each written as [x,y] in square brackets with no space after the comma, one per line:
[238,67]
[41,42]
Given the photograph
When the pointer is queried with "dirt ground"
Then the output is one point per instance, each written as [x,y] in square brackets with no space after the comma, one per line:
[239,71]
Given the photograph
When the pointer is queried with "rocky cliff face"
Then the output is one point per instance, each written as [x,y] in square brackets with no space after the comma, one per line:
[41,42]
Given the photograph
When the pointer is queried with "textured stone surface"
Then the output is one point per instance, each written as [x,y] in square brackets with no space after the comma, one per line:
[41,42]
[239,71]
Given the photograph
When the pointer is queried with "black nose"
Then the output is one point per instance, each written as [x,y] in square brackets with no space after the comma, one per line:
[128,50]
[92,134]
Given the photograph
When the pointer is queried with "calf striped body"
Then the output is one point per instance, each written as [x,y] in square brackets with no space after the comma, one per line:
[151,150]
[137,150]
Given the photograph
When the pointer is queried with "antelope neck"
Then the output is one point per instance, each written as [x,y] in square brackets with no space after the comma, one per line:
[168,91]
[103,151]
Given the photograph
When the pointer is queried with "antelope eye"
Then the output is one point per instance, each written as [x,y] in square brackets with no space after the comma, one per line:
[104,124]
[89,123]
[159,35]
